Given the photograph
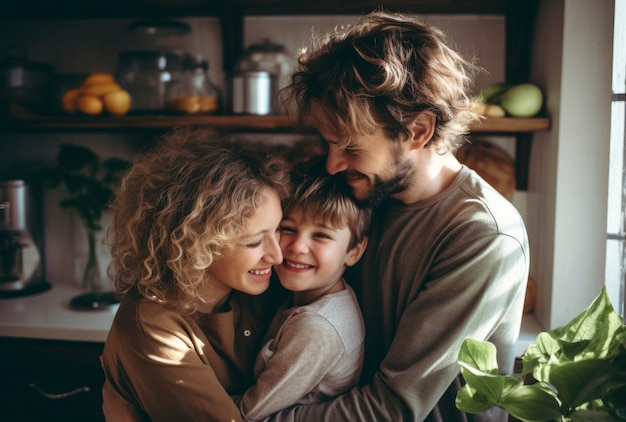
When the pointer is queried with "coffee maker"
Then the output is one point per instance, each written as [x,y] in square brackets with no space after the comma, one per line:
[21,240]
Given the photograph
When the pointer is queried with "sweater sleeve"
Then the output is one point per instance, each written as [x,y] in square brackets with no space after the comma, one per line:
[464,300]
[305,348]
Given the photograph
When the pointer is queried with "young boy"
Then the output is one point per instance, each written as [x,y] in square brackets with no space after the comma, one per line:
[314,348]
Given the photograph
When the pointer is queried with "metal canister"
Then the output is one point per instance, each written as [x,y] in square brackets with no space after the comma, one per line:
[252,92]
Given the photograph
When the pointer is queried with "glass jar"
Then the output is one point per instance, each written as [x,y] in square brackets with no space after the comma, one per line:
[195,93]
[146,75]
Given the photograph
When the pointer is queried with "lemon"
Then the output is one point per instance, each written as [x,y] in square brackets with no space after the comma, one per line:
[96,78]
[69,100]
[100,89]
[117,102]
[89,104]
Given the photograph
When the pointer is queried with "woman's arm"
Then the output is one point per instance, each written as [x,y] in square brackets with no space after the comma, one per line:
[161,362]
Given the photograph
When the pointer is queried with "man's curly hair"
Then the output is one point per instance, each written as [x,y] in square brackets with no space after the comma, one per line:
[383,71]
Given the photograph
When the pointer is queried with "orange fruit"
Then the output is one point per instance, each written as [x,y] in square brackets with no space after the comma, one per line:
[89,104]
[100,89]
[98,78]
[69,100]
[117,102]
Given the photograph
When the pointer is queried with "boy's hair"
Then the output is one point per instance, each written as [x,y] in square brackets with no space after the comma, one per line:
[383,71]
[323,197]
[180,206]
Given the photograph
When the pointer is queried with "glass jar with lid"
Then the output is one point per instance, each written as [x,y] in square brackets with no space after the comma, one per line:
[146,75]
[195,93]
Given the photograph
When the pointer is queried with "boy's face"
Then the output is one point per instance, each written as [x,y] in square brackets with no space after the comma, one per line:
[315,255]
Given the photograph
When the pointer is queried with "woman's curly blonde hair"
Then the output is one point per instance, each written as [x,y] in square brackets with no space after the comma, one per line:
[383,71]
[180,206]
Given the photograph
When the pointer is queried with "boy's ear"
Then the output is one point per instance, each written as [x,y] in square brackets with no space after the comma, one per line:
[356,253]
[423,129]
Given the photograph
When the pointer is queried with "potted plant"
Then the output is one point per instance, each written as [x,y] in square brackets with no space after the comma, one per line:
[575,373]
[89,183]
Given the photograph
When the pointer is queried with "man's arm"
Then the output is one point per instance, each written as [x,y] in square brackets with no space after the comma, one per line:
[476,297]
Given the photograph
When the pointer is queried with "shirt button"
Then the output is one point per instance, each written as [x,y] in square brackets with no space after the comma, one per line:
[246,333]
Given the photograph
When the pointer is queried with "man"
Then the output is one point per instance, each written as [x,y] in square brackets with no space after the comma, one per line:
[448,256]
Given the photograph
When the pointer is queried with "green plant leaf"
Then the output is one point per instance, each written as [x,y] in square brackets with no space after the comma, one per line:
[531,403]
[75,183]
[571,351]
[471,401]
[480,355]
[75,157]
[616,401]
[114,169]
[598,324]
[593,416]
[585,380]
[580,371]
[492,386]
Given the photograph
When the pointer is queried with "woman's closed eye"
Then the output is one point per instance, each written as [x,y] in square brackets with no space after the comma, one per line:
[255,244]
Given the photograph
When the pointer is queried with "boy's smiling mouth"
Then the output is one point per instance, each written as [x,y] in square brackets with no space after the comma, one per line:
[296,265]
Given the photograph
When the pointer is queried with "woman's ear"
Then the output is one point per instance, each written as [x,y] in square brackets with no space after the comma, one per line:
[356,252]
[422,129]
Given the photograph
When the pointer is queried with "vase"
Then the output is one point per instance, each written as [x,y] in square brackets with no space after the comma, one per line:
[91,276]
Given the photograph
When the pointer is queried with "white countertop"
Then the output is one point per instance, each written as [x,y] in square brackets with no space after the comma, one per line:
[48,315]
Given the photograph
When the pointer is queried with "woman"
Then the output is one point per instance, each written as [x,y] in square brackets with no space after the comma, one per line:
[193,240]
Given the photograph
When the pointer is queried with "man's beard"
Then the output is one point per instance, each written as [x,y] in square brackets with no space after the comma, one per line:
[382,189]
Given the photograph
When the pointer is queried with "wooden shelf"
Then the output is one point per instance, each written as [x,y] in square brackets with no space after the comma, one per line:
[500,125]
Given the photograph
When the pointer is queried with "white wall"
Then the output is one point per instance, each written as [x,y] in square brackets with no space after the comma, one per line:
[567,195]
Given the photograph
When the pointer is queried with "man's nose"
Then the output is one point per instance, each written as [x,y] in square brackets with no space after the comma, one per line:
[335,161]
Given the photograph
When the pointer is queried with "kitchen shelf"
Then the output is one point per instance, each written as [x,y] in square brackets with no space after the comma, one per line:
[493,125]
[519,17]
[521,128]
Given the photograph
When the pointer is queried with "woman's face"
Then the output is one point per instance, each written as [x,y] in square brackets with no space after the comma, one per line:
[248,266]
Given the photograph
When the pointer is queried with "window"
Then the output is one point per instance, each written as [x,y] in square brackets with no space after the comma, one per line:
[616,239]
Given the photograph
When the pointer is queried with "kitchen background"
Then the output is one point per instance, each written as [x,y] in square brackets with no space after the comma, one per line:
[82,47]
[564,206]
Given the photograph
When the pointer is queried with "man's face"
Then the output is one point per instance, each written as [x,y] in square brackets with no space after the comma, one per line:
[374,166]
